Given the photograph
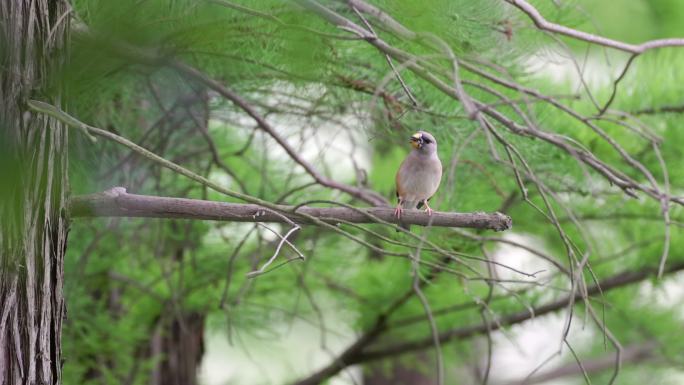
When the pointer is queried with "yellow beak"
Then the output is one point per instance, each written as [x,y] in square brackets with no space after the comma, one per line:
[416,140]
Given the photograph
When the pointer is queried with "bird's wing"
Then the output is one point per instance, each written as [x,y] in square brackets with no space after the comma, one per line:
[437,170]
[397,181]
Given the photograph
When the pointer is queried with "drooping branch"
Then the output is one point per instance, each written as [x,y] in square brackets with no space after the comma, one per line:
[116,202]
[428,71]
[425,70]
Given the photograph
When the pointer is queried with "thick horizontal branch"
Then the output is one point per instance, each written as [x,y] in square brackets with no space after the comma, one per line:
[116,202]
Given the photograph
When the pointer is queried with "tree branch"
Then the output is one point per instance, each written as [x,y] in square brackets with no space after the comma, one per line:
[366,195]
[357,352]
[674,109]
[116,202]
[613,282]
[632,354]
[546,25]
[153,59]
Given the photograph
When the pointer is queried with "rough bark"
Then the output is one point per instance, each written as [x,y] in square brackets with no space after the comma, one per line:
[116,202]
[33,229]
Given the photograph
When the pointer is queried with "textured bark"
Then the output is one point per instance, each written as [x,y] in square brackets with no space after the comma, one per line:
[33,229]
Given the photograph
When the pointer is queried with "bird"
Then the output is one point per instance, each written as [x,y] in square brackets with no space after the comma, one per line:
[419,175]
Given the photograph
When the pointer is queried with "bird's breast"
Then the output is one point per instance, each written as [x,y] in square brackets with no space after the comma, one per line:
[420,178]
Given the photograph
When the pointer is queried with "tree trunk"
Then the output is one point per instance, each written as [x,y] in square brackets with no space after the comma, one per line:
[33,226]
[179,342]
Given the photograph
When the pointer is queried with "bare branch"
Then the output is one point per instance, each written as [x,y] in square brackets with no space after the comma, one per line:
[632,354]
[388,58]
[116,202]
[151,58]
[357,353]
[363,194]
[678,109]
[546,25]
[616,281]
[615,85]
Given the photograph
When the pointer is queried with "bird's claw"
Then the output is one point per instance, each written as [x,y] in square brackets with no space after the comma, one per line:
[428,209]
[397,212]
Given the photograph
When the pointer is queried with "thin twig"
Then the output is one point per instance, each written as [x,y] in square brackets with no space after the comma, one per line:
[387,57]
[615,84]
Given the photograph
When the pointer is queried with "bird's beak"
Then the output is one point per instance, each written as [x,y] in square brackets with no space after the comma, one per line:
[416,141]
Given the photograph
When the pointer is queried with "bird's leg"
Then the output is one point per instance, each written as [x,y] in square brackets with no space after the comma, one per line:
[398,210]
[427,207]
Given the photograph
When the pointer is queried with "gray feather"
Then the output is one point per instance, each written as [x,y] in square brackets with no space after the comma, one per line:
[420,175]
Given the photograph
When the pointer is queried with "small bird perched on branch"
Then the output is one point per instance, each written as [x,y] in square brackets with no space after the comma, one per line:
[419,175]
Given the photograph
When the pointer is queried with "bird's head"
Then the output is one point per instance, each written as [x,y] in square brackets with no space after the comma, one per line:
[424,142]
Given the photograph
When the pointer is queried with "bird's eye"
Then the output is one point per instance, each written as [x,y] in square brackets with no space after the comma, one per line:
[426,140]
